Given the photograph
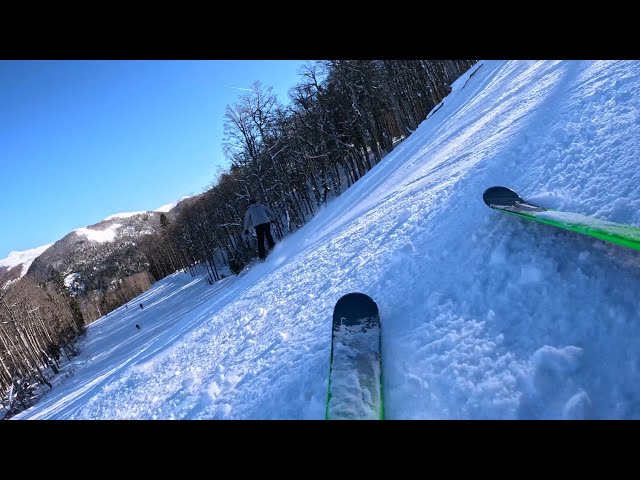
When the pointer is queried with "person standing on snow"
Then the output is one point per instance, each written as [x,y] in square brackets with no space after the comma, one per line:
[259,217]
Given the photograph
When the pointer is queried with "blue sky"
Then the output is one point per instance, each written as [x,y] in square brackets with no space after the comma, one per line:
[81,140]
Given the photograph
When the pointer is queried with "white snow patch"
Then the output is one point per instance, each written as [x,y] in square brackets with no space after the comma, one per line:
[100,236]
[123,215]
[24,258]
[70,279]
[170,206]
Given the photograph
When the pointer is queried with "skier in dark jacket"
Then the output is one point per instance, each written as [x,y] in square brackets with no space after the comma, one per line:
[259,217]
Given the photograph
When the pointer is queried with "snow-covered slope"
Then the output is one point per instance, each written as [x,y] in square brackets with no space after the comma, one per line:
[484,315]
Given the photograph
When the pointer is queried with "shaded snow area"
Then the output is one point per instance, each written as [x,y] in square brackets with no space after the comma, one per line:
[100,236]
[484,315]
[24,258]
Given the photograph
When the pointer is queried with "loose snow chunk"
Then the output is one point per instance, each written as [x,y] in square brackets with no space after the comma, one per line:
[213,390]
[577,407]
[530,274]
[564,359]
[232,380]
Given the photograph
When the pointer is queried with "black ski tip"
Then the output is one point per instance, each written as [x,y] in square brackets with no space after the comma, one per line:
[500,196]
[356,305]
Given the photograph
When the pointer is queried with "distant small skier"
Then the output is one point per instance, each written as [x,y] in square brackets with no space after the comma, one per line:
[259,217]
[137,326]
[141,307]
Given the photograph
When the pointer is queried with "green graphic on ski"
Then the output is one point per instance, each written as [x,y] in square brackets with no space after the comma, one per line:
[505,200]
[355,372]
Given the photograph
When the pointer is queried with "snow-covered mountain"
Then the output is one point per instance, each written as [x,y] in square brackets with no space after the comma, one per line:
[15,266]
[484,315]
[93,255]
[98,253]
[92,251]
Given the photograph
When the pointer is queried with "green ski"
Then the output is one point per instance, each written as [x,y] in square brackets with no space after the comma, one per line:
[355,367]
[505,200]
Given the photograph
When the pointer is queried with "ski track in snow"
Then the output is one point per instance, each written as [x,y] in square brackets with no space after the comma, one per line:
[484,315]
